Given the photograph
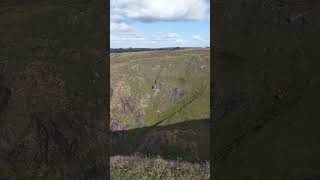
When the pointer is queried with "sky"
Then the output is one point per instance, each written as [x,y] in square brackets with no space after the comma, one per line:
[159,23]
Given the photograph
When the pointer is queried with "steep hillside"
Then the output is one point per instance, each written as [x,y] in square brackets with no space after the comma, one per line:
[146,86]
[160,88]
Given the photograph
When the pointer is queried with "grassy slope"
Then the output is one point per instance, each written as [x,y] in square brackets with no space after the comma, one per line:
[188,132]
[135,167]
[179,69]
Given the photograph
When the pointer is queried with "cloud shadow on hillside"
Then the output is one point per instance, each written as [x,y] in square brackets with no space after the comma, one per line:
[189,141]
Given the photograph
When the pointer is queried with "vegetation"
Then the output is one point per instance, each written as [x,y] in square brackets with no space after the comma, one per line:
[137,167]
[155,83]
[160,107]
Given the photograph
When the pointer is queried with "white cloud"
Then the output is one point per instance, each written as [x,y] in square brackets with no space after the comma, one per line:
[126,38]
[124,30]
[116,18]
[164,39]
[161,10]
[120,26]
[198,38]
[180,41]
[170,38]
[171,35]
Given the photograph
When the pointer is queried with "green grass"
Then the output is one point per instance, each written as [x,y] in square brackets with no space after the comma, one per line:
[139,70]
[173,69]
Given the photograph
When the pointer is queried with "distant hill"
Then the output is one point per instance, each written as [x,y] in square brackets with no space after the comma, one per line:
[119,50]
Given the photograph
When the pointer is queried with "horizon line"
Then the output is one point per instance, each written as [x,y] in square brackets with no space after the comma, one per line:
[158,47]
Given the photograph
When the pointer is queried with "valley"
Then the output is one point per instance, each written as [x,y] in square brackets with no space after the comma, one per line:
[160,103]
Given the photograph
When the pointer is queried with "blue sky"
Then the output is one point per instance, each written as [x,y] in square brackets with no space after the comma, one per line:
[159,23]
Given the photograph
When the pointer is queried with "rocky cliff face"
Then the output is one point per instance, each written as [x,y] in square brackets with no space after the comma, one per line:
[143,87]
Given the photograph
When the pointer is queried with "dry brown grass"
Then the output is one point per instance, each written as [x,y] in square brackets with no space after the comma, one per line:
[138,167]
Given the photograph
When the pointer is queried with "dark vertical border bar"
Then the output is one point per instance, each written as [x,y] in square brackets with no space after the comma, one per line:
[107,58]
[212,86]
[29,34]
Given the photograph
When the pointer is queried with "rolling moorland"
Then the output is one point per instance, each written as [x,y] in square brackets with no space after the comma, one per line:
[160,105]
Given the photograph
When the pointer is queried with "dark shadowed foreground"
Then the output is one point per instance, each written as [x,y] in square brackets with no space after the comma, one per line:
[188,141]
[54,124]
[267,89]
